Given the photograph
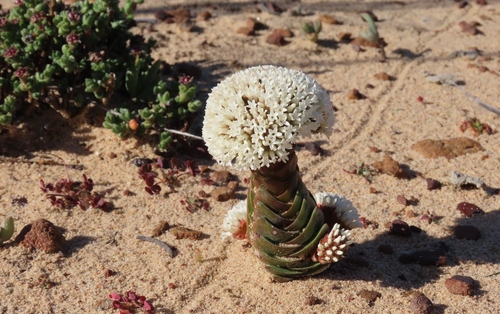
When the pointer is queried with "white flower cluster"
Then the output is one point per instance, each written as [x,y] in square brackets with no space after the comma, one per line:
[343,208]
[332,246]
[235,222]
[253,117]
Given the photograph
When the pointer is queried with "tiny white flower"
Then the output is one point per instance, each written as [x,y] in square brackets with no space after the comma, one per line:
[343,208]
[253,118]
[235,222]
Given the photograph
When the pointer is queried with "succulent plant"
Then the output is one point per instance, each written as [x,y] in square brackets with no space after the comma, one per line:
[252,121]
[312,29]
[6,229]
[67,56]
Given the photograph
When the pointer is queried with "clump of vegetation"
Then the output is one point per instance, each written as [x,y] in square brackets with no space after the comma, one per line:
[364,170]
[312,29]
[476,126]
[68,56]
[66,194]
[131,303]
[6,229]
[369,37]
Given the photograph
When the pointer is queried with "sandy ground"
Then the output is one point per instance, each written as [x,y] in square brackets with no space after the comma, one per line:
[212,276]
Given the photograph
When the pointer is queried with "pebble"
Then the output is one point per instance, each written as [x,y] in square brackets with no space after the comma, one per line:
[421,304]
[385,248]
[424,257]
[460,285]
[400,228]
[370,295]
[468,209]
[467,232]
[433,184]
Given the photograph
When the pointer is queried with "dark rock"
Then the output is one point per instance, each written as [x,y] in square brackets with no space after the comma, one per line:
[385,248]
[400,228]
[312,300]
[433,184]
[461,285]
[420,304]
[468,209]
[429,257]
[466,232]
[355,94]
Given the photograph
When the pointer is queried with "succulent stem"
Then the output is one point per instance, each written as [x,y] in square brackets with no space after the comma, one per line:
[284,223]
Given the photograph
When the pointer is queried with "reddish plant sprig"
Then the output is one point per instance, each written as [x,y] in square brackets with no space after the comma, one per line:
[149,176]
[66,194]
[131,302]
[192,205]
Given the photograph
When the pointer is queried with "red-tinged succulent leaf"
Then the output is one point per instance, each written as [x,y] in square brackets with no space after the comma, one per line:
[148,306]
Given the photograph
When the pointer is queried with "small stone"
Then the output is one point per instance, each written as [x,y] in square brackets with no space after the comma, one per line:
[203,16]
[400,228]
[382,76]
[42,235]
[469,209]
[327,19]
[369,295]
[420,304]
[108,273]
[222,177]
[160,228]
[312,300]
[463,180]
[391,167]
[354,94]
[245,31]
[410,213]
[161,15]
[185,233]
[461,285]
[225,193]
[180,15]
[429,257]
[402,200]
[255,25]
[467,232]
[344,37]
[468,28]
[433,184]
[112,155]
[447,148]
[481,2]
[385,248]
[373,190]
[276,38]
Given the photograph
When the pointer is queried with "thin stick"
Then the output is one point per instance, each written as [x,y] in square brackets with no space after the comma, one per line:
[167,248]
[168,130]
[184,133]
[475,99]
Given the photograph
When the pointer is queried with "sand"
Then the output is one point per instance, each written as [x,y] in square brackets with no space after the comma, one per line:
[212,276]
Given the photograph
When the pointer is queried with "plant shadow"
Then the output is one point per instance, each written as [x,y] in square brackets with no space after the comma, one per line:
[366,263]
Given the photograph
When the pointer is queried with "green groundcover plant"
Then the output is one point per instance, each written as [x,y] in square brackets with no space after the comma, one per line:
[68,56]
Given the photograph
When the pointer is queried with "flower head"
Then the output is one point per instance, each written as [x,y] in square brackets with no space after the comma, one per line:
[254,117]
[332,247]
[235,222]
[344,212]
